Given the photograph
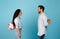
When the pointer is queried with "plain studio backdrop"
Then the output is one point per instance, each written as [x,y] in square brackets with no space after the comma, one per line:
[29,18]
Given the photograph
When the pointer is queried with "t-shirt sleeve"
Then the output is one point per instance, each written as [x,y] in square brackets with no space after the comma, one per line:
[45,21]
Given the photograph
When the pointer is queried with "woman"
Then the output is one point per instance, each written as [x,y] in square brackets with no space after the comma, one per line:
[17,23]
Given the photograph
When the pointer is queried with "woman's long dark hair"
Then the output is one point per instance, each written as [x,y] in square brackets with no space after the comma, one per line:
[15,15]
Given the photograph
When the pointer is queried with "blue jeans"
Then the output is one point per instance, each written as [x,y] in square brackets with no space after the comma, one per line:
[42,37]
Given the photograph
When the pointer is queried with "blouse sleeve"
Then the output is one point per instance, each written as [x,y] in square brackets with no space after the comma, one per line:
[16,23]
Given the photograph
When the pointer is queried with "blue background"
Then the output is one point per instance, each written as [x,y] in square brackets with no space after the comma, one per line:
[29,18]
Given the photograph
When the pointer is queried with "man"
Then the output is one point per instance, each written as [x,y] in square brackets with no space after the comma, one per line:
[42,22]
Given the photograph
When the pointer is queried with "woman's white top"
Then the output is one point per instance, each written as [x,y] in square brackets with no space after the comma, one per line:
[42,22]
[18,22]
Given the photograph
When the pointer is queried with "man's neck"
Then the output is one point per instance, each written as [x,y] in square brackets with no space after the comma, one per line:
[41,12]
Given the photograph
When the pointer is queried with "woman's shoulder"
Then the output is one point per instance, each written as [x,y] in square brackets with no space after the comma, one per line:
[16,19]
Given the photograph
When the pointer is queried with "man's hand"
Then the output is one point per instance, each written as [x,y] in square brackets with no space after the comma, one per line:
[49,21]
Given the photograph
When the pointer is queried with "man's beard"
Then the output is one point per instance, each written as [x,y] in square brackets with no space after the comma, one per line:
[39,12]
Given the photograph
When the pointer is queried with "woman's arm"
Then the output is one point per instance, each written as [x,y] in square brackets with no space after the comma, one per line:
[18,30]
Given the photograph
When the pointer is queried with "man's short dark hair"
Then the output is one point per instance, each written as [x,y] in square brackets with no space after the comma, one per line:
[41,7]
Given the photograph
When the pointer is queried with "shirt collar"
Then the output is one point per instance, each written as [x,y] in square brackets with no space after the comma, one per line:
[42,13]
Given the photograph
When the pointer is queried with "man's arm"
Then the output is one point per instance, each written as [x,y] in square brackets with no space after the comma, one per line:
[45,21]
